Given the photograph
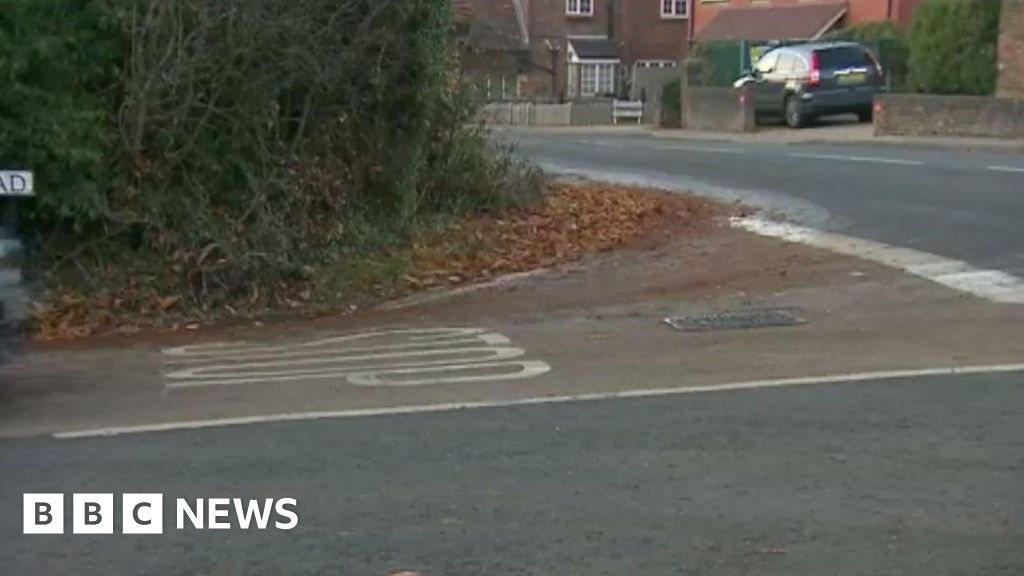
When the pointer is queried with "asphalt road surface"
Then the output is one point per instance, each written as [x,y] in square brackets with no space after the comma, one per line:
[918,476]
[957,204]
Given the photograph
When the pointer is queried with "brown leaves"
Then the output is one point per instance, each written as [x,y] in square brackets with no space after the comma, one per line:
[575,220]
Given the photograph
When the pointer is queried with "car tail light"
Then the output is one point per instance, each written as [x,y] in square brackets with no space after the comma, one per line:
[815,78]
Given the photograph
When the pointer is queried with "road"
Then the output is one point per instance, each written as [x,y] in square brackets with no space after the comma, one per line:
[919,476]
[556,426]
[962,205]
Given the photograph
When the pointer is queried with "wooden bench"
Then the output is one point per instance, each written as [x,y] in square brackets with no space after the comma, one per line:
[629,110]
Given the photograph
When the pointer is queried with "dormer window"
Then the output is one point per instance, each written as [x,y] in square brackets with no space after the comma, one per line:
[675,8]
[579,7]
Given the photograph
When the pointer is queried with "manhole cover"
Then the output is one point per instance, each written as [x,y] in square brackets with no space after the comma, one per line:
[735,320]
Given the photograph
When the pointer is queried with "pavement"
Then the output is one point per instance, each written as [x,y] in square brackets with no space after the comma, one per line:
[554,424]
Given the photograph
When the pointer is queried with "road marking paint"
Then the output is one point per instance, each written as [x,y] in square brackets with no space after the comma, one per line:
[874,159]
[849,378]
[1012,169]
[526,369]
[243,373]
[427,336]
[709,149]
[992,285]
[604,143]
[443,355]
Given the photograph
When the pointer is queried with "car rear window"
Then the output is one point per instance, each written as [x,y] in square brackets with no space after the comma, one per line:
[845,57]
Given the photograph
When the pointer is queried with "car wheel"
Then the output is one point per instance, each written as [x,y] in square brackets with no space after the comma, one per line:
[865,115]
[795,115]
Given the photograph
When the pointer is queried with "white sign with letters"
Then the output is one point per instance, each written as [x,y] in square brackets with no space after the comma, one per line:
[16,183]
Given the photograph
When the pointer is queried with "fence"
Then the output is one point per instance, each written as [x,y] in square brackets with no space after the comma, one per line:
[581,113]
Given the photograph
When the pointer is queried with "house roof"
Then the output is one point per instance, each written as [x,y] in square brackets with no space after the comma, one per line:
[595,48]
[762,23]
[493,24]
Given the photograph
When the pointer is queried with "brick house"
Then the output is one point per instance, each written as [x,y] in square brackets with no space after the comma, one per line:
[581,48]
[790,19]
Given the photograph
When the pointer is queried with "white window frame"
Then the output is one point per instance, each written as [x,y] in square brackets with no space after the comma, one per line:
[576,7]
[677,9]
[606,76]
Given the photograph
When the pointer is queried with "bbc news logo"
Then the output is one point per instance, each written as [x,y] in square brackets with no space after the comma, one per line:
[144,514]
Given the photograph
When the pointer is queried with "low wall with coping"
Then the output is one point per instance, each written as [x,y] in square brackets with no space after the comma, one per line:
[719,109]
[934,115]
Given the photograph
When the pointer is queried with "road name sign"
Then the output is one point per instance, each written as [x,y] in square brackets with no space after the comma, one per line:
[16,183]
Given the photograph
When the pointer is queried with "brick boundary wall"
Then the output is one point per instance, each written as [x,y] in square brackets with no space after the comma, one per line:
[932,115]
[718,109]
[1011,50]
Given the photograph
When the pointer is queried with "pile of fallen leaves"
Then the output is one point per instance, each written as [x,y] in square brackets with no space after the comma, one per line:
[573,221]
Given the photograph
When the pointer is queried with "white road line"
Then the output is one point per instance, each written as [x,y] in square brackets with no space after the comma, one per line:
[467,354]
[229,375]
[398,357]
[423,336]
[843,158]
[604,143]
[624,394]
[988,284]
[1012,169]
[709,149]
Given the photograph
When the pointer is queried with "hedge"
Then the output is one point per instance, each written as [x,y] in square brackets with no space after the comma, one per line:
[953,46]
[221,148]
[888,41]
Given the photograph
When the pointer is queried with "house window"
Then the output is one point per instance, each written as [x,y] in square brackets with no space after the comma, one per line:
[597,79]
[579,7]
[675,8]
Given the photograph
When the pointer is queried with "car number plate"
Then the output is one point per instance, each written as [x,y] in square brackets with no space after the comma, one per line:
[853,78]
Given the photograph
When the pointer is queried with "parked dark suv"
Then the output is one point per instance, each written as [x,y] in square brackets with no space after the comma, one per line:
[804,81]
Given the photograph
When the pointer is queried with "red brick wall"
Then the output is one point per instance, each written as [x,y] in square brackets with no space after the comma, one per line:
[648,36]
[1011,50]
[549,26]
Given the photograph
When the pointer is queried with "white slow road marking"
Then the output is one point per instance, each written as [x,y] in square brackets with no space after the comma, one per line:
[1013,169]
[709,149]
[988,284]
[844,158]
[446,355]
[624,394]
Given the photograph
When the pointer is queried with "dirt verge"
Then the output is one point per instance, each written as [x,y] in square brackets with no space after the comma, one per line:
[576,220]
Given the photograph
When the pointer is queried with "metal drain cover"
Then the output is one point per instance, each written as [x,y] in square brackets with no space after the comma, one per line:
[735,320]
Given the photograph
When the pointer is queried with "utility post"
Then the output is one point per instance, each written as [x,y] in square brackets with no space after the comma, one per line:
[15,186]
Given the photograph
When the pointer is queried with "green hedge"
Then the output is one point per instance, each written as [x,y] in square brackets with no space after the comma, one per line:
[953,46]
[887,41]
[224,147]
[59,63]
[671,104]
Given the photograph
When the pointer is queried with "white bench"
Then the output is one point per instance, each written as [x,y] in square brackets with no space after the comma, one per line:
[628,109]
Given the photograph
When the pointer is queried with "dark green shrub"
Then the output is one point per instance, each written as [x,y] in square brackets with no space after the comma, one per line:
[953,46]
[887,41]
[219,148]
[671,104]
[59,61]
